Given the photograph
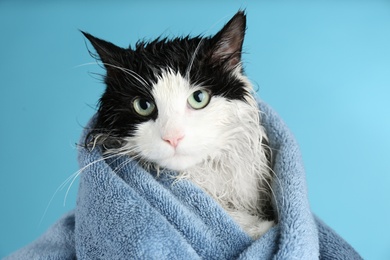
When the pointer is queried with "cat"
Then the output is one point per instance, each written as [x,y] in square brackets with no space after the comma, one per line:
[185,105]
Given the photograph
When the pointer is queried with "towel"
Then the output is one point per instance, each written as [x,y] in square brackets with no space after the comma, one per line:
[126,212]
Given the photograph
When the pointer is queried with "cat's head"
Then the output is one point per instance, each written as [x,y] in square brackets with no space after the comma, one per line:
[174,102]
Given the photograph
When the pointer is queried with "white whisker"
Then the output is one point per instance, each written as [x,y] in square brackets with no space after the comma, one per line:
[188,70]
[72,178]
[76,174]
[54,194]
[127,71]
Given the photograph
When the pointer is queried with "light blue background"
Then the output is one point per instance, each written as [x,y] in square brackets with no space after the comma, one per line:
[324,66]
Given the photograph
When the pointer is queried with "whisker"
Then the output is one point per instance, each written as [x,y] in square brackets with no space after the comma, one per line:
[188,70]
[71,179]
[85,64]
[123,164]
[70,185]
[129,72]
[77,173]
[52,197]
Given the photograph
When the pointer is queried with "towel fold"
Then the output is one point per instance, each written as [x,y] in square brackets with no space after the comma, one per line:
[126,212]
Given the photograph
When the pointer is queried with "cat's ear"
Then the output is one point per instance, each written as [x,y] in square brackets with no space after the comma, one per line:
[228,42]
[109,54]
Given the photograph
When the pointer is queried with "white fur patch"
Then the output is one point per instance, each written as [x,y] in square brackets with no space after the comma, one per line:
[218,147]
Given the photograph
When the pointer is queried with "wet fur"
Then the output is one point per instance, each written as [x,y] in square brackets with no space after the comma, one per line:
[223,149]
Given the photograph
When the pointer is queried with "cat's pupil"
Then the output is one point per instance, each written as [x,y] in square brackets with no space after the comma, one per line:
[198,96]
[144,104]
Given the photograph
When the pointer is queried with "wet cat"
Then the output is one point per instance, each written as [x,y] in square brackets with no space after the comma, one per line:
[185,104]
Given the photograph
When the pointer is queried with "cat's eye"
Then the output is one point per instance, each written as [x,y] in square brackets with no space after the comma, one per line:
[199,99]
[143,106]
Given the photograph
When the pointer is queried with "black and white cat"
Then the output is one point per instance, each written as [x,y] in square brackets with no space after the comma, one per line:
[184,104]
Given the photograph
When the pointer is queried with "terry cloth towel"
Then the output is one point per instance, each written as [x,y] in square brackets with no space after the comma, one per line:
[125,212]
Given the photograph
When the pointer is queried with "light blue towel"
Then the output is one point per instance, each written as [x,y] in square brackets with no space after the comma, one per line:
[125,212]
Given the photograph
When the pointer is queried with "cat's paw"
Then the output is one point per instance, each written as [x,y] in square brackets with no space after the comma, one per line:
[254,226]
[260,228]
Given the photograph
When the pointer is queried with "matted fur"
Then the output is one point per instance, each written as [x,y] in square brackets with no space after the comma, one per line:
[220,147]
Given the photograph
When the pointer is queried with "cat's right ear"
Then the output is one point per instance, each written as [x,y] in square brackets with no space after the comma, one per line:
[108,53]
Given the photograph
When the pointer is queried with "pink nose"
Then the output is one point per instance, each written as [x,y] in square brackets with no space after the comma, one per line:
[173,140]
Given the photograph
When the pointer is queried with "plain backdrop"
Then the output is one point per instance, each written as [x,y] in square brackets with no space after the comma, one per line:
[324,66]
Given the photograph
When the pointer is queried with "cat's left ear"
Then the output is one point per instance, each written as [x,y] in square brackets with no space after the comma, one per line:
[228,42]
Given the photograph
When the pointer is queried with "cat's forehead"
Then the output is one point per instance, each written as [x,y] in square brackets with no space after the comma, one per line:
[166,56]
[172,87]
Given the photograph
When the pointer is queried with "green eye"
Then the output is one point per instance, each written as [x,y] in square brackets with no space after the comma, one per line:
[143,106]
[199,99]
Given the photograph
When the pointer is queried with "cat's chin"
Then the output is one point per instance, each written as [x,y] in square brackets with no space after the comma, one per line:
[178,163]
